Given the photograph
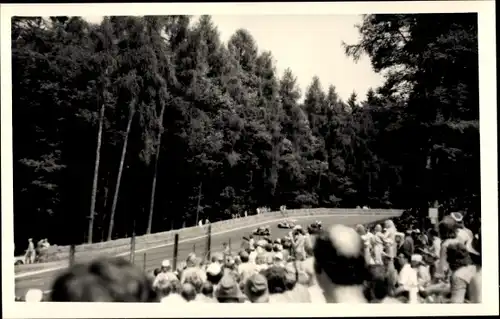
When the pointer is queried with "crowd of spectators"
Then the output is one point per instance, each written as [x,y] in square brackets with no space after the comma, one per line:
[339,264]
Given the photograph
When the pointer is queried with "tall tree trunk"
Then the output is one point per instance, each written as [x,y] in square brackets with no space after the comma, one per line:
[153,188]
[120,171]
[198,204]
[96,177]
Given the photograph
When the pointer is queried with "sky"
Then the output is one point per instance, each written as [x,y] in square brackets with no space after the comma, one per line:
[307,44]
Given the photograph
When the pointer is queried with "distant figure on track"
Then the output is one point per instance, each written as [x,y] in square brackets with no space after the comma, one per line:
[246,213]
[200,223]
[29,258]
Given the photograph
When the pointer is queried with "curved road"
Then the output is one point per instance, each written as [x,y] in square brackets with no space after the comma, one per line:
[151,258]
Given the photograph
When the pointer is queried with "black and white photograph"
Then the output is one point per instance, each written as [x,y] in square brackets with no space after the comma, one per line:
[303,157]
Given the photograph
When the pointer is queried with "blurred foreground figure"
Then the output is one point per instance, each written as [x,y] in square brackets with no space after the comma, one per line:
[340,265]
[34,295]
[103,280]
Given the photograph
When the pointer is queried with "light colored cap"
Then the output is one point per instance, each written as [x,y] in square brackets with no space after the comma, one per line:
[399,234]
[416,258]
[34,295]
[278,256]
[165,263]
[458,217]
[297,227]
[261,243]
[214,269]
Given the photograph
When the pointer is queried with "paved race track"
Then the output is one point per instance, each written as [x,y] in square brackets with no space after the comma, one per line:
[152,257]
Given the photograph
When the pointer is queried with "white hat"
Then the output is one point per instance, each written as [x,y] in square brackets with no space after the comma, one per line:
[261,243]
[416,258]
[278,256]
[399,234]
[297,227]
[214,269]
[458,217]
[165,263]
[34,295]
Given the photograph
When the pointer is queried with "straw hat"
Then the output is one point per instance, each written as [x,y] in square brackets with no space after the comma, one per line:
[458,217]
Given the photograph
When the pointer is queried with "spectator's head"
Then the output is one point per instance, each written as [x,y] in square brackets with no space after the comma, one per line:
[166,266]
[228,290]
[399,237]
[33,295]
[156,271]
[378,285]
[237,261]
[229,262]
[458,256]
[218,258]
[447,228]
[360,229]
[403,259]
[459,219]
[244,256]
[378,228]
[208,289]
[386,258]
[417,260]
[261,246]
[256,289]
[339,262]
[269,259]
[276,277]
[188,292]
[278,258]
[260,259]
[176,286]
[191,260]
[389,224]
[414,233]
[268,247]
[163,288]
[103,280]
[214,273]
[195,280]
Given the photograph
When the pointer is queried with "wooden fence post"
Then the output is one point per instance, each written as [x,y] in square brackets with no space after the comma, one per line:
[72,250]
[132,248]
[176,248]
[209,242]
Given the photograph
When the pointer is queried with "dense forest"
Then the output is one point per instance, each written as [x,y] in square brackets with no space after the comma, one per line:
[152,122]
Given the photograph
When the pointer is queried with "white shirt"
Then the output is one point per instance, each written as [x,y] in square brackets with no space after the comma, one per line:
[252,256]
[408,278]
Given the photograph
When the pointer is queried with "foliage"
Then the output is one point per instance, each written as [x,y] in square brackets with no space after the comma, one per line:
[233,134]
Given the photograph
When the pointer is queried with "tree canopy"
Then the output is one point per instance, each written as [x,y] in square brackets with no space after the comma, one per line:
[195,128]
